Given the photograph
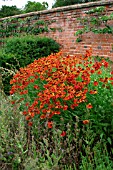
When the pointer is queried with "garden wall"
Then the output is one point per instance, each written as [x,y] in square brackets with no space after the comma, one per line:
[65,20]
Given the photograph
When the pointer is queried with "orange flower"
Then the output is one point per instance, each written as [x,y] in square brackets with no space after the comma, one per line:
[65,107]
[111,78]
[112,83]
[93,92]
[63,134]
[36,87]
[92,71]
[85,122]
[106,64]
[24,113]
[89,106]
[31,114]
[13,102]
[50,124]
[43,116]
[11,92]
[95,83]
[30,123]
[99,72]
[24,92]
[111,72]
[27,104]
[57,112]
[28,117]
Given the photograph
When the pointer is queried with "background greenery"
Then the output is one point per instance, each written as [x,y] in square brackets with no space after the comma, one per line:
[59,3]
[37,6]
[29,7]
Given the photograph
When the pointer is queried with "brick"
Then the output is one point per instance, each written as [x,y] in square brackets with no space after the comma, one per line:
[66,18]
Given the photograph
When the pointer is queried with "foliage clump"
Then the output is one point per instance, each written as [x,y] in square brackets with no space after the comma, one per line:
[20,51]
[7,11]
[97,21]
[57,87]
[35,6]
[67,103]
[59,3]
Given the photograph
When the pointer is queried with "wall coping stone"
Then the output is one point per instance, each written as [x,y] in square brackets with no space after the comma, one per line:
[61,9]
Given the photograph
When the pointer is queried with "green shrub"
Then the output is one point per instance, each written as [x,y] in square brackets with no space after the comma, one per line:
[21,51]
[28,48]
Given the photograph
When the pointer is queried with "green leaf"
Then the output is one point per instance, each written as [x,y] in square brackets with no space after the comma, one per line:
[109,140]
[0,112]
[101,135]
[54,69]
[78,39]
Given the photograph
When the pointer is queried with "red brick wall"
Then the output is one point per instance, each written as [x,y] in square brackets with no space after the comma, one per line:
[66,18]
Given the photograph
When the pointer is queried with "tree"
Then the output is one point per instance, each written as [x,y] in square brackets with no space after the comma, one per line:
[59,3]
[6,11]
[35,6]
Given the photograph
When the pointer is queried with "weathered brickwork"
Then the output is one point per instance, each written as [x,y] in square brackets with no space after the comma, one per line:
[66,20]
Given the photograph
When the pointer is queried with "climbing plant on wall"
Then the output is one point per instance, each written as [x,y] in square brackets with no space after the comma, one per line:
[29,25]
[97,21]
